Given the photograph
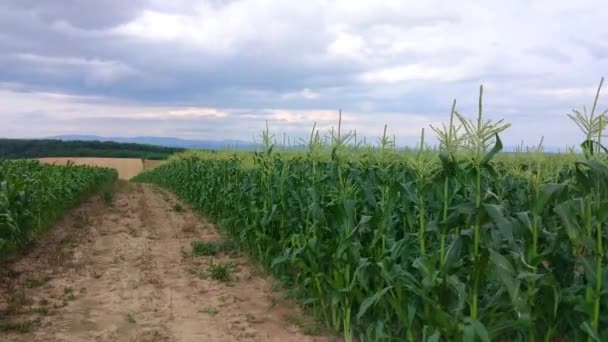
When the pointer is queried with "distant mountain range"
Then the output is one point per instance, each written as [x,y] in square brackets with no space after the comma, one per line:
[165,141]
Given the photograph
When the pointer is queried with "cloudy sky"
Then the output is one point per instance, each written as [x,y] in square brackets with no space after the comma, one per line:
[218,69]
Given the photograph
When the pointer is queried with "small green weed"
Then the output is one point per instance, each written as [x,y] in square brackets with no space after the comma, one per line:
[222,271]
[210,311]
[68,292]
[204,248]
[18,326]
[108,197]
[42,311]
[211,248]
[178,208]
[229,246]
[32,282]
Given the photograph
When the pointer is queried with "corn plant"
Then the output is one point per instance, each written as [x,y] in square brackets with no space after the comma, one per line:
[591,125]
[34,195]
[459,243]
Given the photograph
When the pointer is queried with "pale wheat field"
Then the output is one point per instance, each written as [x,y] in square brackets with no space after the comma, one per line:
[127,168]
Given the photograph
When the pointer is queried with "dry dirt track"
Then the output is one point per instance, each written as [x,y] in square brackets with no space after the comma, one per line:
[117,273]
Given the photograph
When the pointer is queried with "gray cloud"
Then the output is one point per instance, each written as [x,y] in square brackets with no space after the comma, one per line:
[251,58]
[81,14]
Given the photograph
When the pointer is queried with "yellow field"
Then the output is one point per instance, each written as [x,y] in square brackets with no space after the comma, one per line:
[127,168]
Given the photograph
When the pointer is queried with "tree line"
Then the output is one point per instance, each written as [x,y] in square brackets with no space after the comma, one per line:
[39,148]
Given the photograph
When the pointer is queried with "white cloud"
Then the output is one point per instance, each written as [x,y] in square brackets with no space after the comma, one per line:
[416,72]
[347,45]
[235,64]
[197,113]
[579,92]
[305,93]
[40,114]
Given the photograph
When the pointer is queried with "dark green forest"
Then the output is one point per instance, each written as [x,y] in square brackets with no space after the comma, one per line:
[34,148]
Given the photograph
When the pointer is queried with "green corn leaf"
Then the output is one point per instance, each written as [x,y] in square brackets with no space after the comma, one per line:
[475,329]
[495,149]
[435,337]
[565,213]
[590,331]
[547,193]
[371,300]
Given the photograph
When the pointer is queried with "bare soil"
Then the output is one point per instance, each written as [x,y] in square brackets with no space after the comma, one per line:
[124,272]
[127,167]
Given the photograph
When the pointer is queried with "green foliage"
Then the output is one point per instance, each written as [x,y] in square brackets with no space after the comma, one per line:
[457,244]
[33,196]
[592,125]
[211,248]
[210,311]
[222,271]
[24,148]
[204,248]
[108,196]
[22,327]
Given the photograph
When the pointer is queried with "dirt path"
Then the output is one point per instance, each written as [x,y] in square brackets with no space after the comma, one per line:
[125,273]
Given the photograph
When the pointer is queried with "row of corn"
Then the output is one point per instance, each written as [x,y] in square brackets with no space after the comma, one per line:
[34,195]
[460,243]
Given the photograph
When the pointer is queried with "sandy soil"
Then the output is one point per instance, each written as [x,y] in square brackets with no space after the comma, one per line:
[124,272]
[127,168]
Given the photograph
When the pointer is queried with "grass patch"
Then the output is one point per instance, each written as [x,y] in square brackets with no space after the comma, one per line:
[222,272]
[178,208]
[204,248]
[211,248]
[210,311]
[42,311]
[18,326]
[32,282]
[68,292]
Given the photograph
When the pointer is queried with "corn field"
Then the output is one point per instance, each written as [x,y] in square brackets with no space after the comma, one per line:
[34,195]
[456,243]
